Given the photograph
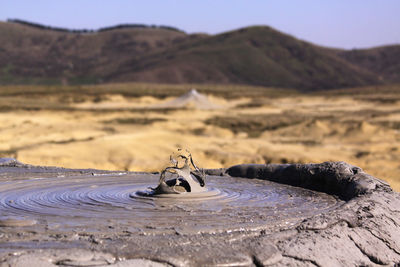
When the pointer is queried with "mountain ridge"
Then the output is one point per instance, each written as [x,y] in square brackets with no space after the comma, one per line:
[101,29]
[256,55]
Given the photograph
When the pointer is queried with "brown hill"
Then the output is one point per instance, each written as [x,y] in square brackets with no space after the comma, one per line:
[30,54]
[255,55]
[384,61]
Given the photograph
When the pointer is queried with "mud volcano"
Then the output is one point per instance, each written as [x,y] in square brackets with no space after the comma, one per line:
[329,214]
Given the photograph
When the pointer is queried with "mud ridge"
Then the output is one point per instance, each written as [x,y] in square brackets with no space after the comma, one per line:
[302,260]
[337,178]
[371,257]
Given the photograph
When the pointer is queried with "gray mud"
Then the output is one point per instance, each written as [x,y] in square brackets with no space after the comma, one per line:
[330,214]
[94,203]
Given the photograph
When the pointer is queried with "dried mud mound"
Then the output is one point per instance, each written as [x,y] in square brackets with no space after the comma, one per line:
[192,99]
[329,214]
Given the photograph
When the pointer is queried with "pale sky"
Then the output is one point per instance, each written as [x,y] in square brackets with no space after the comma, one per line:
[333,23]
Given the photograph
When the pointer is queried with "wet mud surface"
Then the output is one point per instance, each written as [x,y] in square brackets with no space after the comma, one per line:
[53,216]
[95,202]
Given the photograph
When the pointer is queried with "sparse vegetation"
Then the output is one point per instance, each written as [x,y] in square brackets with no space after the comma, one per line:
[140,121]
[255,124]
[83,31]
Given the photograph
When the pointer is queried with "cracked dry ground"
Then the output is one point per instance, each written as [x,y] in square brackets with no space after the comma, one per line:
[362,231]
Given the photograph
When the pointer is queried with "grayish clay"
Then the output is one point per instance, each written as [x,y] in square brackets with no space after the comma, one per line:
[347,218]
[184,182]
[191,99]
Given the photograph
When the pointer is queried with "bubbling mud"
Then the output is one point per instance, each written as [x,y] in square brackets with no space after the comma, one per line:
[102,202]
[184,180]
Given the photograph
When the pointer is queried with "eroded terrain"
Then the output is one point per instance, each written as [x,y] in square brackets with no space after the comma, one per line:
[130,130]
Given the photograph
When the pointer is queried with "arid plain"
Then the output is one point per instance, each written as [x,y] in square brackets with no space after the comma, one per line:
[130,126]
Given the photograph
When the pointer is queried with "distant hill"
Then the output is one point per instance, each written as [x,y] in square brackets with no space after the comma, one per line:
[65,30]
[31,53]
[383,61]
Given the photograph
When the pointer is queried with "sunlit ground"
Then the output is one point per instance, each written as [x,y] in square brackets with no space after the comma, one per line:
[123,128]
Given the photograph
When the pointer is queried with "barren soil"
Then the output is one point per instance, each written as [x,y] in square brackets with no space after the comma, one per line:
[121,131]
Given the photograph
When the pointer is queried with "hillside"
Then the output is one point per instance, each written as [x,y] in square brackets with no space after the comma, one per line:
[254,55]
[384,61]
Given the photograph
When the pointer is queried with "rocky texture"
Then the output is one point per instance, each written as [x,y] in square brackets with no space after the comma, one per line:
[337,178]
[363,231]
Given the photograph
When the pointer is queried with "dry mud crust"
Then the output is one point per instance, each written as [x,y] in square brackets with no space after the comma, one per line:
[362,231]
[337,178]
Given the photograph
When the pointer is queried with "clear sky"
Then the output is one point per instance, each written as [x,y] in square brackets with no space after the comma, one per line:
[334,23]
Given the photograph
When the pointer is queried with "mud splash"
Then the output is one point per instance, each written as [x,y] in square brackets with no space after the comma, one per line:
[183,182]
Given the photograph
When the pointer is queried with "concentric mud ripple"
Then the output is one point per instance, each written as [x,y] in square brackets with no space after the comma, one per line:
[98,202]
